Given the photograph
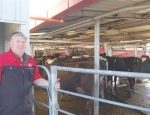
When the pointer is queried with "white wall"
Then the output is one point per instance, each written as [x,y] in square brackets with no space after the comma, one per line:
[15,15]
[14,11]
[2,38]
[8,30]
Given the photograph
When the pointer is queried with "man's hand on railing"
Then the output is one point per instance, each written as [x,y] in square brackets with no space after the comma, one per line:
[57,85]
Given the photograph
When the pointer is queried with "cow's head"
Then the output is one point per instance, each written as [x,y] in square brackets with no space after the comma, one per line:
[145,66]
[103,63]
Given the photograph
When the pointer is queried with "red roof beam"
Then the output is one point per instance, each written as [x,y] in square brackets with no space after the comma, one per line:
[63,9]
[46,19]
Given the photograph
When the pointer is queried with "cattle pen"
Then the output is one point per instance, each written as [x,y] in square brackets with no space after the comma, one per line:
[96,21]
[73,35]
[53,103]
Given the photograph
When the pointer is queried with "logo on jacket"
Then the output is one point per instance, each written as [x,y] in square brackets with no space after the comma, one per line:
[29,65]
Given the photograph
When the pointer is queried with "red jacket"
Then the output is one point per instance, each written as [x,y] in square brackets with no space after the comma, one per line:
[16,81]
[8,58]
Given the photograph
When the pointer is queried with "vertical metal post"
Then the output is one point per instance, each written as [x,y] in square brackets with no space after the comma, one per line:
[144,51]
[135,50]
[109,50]
[96,65]
[53,91]
[50,94]
[45,52]
[32,50]
[48,88]
[106,48]
[32,97]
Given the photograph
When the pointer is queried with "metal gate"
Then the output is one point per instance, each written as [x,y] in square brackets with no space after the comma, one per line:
[52,92]
[51,106]
[91,71]
[47,88]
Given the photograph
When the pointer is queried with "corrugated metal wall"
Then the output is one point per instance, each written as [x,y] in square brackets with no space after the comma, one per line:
[14,11]
[14,16]
[1,37]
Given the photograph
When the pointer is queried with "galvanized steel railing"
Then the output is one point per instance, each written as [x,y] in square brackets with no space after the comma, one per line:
[51,107]
[33,100]
[91,71]
[52,92]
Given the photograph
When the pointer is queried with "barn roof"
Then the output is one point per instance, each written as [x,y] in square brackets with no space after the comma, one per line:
[131,25]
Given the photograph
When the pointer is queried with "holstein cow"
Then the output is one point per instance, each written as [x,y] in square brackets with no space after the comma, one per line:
[133,63]
[79,82]
[116,64]
[145,65]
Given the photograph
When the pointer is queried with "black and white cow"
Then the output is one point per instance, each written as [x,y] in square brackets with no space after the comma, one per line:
[133,63]
[145,65]
[116,64]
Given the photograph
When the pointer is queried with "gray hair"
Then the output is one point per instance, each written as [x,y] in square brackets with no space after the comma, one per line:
[17,34]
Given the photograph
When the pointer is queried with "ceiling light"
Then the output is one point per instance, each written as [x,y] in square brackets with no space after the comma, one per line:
[71,32]
[34,34]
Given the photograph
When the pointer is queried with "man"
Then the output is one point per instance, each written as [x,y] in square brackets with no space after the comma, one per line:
[17,73]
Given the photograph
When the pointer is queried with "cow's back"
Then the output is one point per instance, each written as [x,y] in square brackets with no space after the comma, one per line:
[132,63]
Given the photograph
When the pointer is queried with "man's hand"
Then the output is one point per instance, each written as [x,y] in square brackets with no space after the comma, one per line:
[57,85]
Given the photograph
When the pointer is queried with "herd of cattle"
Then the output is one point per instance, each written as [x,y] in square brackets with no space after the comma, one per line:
[84,83]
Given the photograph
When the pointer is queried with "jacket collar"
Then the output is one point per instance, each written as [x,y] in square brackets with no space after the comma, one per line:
[13,57]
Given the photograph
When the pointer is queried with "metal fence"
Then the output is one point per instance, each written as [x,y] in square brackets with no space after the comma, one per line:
[91,71]
[52,92]
[51,107]
[35,101]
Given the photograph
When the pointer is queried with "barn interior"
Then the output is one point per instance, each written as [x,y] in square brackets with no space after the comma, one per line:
[124,31]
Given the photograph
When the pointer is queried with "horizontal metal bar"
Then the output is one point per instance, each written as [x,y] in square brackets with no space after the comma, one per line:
[64,28]
[67,113]
[106,72]
[107,101]
[122,10]
[41,103]
[60,41]
[60,110]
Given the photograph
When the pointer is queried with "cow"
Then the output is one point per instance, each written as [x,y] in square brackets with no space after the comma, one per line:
[49,61]
[145,65]
[79,82]
[38,60]
[133,63]
[116,64]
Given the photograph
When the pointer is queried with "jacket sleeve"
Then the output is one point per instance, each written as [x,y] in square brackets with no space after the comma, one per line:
[0,73]
[0,70]
[36,72]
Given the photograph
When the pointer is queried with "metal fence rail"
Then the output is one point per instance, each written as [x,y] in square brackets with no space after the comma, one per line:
[50,106]
[33,100]
[91,71]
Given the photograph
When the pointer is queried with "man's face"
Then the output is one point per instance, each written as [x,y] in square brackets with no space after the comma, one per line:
[18,45]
